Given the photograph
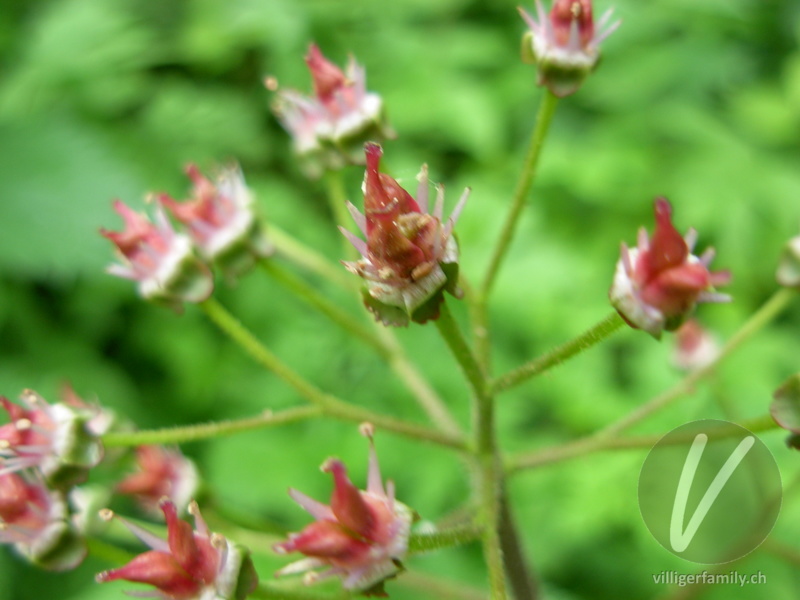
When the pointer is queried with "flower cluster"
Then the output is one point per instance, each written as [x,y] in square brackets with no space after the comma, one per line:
[189,564]
[360,536]
[658,283]
[221,225]
[44,450]
[410,256]
[330,127]
[565,44]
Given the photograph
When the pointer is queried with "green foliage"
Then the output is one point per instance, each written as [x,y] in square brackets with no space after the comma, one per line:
[696,101]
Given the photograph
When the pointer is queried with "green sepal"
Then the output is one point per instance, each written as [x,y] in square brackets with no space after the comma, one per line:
[65,549]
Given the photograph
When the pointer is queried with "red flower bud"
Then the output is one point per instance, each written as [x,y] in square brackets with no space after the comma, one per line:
[361,535]
[658,283]
[565,45]
[410,256]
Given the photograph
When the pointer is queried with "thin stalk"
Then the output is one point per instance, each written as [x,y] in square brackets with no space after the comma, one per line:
[301,255]
[543,120]
[337,200]
[768,311]
[379,339]
[329,404]
[596,334]
[275,591]
[596,443]
[420,543]
[451,333]
[436,587]
[203,431]
[309,294]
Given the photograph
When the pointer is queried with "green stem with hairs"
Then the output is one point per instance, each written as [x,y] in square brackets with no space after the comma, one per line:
[596,334]
[543,120]
[330,405]
[203,431]
[419,543]
[596,443]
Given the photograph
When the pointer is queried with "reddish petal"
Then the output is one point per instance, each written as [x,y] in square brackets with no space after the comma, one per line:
[13,497]
[565,12]
[347,503]
[327,76]
[668,248]
[325,539]
[159,570]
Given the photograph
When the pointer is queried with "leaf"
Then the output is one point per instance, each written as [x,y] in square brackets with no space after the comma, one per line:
[785,407]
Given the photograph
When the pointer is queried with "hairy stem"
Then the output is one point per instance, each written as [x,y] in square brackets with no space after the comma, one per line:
[768,311]
[301,255]
[596,334]
[203,431]
[596,443]
[379,339]
[451,333]
[329,404]
[543,120]
[419,543]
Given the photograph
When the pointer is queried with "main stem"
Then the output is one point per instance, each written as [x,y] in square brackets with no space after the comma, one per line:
[489,467]
[329,404]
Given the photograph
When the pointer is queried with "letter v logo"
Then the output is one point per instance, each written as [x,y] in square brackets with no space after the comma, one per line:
[679,538]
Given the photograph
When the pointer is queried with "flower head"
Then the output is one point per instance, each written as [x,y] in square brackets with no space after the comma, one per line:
[220,219]
[51,437]
[162,472]
[35,519]
[658,283]
[158,259]
[189,564]
[360,536]
[410,255]
[330,127]
[565,45]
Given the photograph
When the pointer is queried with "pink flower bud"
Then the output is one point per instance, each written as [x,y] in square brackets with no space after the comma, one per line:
[409,256]
[190,564]
[695,347]
[162,472]
[565,45]
[51,437]
[330,128]
[220,220]
[361,536]
[35,519]
[658,283]
[158,259]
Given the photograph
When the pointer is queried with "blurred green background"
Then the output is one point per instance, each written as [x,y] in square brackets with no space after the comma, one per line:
[698,101]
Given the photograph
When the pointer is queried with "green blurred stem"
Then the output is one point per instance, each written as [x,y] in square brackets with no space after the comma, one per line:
[489,468]
[451,333]
[202,431]
[596,443]
[768,311]
[602,330]
[543,120]
[419,543]
[380,340]
[337,200]
[329,404]
[275,591]
[309,294]
[301,255]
